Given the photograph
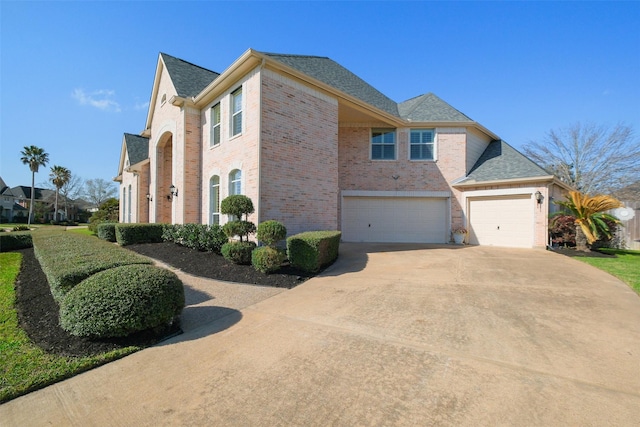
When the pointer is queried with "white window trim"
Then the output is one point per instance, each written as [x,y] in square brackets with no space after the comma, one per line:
[213,212]
[232,114]
[435,145]
[213,144]
[395,144]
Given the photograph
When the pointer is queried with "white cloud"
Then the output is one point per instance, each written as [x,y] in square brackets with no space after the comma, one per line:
[101,99]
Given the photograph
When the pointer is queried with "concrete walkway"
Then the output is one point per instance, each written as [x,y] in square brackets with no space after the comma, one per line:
[389,335]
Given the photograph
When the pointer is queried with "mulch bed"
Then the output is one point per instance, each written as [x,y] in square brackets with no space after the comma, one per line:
[38,311]
[572,252]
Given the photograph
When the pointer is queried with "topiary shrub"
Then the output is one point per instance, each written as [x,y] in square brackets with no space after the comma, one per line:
[129,234]
[267,259]
[121,301]
[271,232]
[238,228]
[107,231]
[312,250]
[15,241]
[237,205]
[238,252]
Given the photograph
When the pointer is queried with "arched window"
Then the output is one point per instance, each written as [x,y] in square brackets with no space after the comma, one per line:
[124,204]
[235,182]
[129,205]
[214,200]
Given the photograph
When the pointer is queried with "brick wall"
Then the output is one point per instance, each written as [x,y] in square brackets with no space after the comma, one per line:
[299,151]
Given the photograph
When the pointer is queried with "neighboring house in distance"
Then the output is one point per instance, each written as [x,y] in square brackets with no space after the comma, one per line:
[316,147]
[9,203]
[45,204]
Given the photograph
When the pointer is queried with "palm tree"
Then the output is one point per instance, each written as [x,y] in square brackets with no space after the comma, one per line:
[59,176]
[34,157]
[590,216]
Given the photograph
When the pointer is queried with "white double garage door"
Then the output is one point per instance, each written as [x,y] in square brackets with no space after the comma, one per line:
[425,217]
[396,217]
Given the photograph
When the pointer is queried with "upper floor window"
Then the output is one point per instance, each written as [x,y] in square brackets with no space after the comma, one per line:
[215,125]
[235,182]
[422,145]
[236,112]
[214,200]
[383,144]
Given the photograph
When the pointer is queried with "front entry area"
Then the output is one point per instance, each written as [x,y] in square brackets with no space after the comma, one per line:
[395,219]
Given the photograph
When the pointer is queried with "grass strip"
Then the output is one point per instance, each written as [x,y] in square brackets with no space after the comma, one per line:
[625,266]
[25,367]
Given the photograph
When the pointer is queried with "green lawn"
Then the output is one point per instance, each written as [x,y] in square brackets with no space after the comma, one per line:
[625,266]
[24,367]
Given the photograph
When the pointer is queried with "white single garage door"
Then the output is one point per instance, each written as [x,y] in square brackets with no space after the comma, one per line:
[394,219]
[502,221]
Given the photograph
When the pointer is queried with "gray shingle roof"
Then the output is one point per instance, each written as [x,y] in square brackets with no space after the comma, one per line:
[188,79]
[330,72]
[430,108]
[501,161]
[137,147]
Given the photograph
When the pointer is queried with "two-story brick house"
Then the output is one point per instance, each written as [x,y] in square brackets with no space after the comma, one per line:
[316,147]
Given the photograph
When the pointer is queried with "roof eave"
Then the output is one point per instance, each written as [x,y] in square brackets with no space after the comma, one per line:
[527,180]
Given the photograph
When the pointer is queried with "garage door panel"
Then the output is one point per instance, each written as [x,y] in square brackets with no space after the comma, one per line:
[394,219]
[505,221]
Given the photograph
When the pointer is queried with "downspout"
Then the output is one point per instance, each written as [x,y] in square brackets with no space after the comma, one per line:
[260,69]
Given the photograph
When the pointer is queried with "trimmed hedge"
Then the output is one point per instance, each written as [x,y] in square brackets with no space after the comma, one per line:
[312,250]
[238,252]
[107,231]
[121,301]
[129,234]
[69,258]
[201,237]
[267,259]
[15,241]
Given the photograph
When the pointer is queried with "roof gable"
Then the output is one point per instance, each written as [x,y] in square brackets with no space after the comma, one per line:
[330,72]
[500,161]
[187,78]
[137,148]
[430,108]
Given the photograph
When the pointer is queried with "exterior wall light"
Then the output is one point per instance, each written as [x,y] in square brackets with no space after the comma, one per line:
[173,190]
[539,197]
[149,197]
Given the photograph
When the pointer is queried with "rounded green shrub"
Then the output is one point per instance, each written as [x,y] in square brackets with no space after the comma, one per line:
[107,231]
[238,252]
[122,300]
[238,228]
[236,205]
[271,232]
[267,259]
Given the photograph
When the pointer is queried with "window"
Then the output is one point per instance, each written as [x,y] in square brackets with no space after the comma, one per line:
[235,182]
[215,125]
[421,144]
[236,112]
[383,144]
[214,200]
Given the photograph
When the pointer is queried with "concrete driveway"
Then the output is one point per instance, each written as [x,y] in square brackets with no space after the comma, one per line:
[389,335]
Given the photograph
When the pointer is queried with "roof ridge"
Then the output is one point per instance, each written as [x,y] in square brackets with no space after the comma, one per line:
[292,55]
[187,62]
[416,104]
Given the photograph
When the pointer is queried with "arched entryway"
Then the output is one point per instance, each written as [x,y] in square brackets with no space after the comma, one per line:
[164,178]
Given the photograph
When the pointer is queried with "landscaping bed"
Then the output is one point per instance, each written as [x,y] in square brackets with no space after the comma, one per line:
[213,266]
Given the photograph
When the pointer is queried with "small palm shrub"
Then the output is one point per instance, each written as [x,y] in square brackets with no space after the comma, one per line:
[267,259]
[121,301]
[238,252]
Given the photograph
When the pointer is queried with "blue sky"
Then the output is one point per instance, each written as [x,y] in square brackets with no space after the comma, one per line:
[76,75]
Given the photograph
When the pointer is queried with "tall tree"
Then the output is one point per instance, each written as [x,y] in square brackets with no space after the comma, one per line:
[98,190]
[59,176]
[71,190]
[593,159]
[34,157]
